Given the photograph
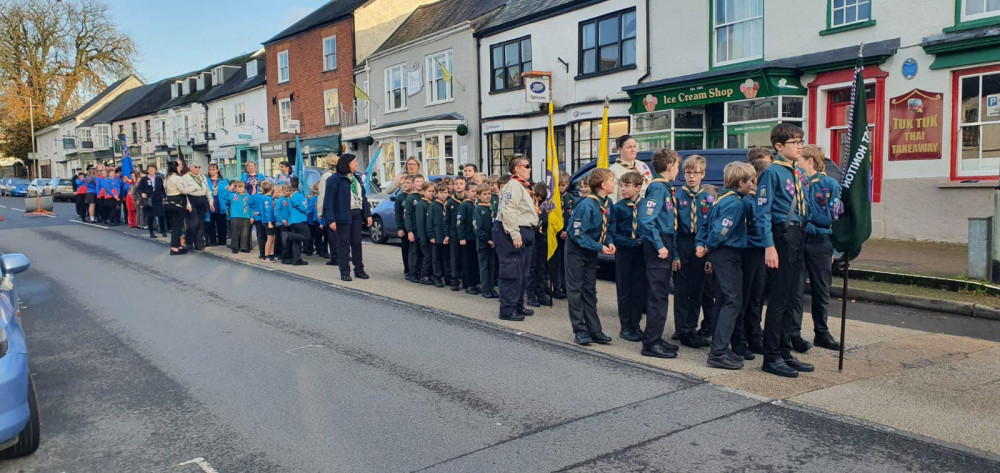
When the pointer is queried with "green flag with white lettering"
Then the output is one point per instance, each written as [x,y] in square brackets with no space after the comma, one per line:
[854,225]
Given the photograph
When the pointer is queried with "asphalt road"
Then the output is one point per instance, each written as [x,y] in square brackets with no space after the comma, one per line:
[145,362]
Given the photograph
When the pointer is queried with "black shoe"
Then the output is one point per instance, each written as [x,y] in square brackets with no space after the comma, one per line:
[152,236]
[332,263]
[533,302]
[489,295]
[245,251]
[694,340]
[676,336]
[427,282]
[559,295]
[456,287]
[345,277]
[361,275]
[406,276]
[630,335]
[669,346]
[799,366]
[825,340]
[323,255]
[164,235]
[800,345]
[472,290]
[658,351]
[286,261]
[744,352]
[236,251]
[583,338]
[514,318]
[601,338]
[545,300]
[725,362]
[780,368]
[756,346]
[300,263]
[176,253]
[525,312]
[438,283]
[705,332]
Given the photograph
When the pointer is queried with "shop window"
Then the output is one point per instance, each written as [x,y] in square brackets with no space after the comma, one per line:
[979,124]
[979,9]
[439,154]
[560,146]
[503,146]
[282,66]
[607,43]
[391,164]
[738,30]
[240,113]
[748,123]
[679,129]
[847,12]
[439,89]
[395,88]
[220,117]
[587,139]
[148,131]
[508,61]
[838,106]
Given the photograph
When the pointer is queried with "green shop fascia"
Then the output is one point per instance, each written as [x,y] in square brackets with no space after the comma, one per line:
[717,109]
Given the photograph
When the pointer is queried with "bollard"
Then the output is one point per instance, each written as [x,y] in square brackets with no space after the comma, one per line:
[979,247]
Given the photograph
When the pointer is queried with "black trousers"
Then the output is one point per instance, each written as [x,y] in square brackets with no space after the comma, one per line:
[658,272]
[349,244]
[217,229]
[513,267]
[727,264]
[818,260]
[688,286]
[470,265]
[298,233]
[332,241]
[753,297]
[176,217]
[81,205]
[241,234]
[631,285]
[581,289]
[283,245]
[196,221]
[425,269]
[557,268]
[318,239]
[786,291]
[260,228]
[104,208]
[538,273]
[709,310]
[440,259]
[404,246]
[453,268]
[487,268]
[155,213]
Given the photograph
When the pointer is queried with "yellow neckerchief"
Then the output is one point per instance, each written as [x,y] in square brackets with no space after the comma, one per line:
[425,199]
[635,215]
[800,195]
[673,197]
[694,207]
[453,197]
[604,216]
[723,196]
[817,177]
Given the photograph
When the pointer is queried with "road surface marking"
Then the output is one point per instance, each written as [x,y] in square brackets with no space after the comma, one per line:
[290,352]
[15,208]
[90,224]
[201,464]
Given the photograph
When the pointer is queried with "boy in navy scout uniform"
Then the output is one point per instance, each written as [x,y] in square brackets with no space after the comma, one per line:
[454,269]
[557,269]
[423,234]
[824,207]
[482,224]
[781,213]
[415,256]
[657,227]
[589,234]
[726,239]
[239,213]
[747,336]
[630,268]
[439,232]
[538,274]
[399,211]
[693,204]
[467,243]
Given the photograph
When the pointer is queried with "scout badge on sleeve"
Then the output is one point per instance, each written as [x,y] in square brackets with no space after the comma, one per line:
[726,225]
[650,207]
[576,228]
[789,187]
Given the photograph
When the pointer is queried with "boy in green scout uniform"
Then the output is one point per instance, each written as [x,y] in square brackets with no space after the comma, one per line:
[400,211]
[452,205]
[589,234]
[415,256]
[422,225]
[439,232]
[482,223]
[467,243]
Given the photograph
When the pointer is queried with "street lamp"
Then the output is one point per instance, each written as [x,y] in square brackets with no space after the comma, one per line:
[34,146]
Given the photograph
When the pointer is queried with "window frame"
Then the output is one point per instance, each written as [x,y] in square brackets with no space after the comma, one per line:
[282,119]
[102,136]
[988,16]
[326,109]
[332,53]
[220,117]
[434,75]
[149,131]
[778,118]
[958,124]
[387,76]
[240,113]
[620,41]
[713,43]
[285,69]
[520,63]
[501,166]
[593,143]
[252,68]
[857,24]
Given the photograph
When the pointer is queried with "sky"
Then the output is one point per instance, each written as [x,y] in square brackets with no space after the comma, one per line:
[181,36]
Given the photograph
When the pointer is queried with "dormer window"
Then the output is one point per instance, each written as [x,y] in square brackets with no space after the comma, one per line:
[201,82]
[176,90]
[217,76]
[185,87]
[252,69]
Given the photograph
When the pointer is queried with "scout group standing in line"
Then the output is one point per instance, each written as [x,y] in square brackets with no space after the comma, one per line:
[770,225]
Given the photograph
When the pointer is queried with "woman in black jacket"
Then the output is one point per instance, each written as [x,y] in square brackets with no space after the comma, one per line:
[152,191]
[345,206]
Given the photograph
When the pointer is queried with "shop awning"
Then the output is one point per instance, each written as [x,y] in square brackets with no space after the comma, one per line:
[324,145]
[963,48]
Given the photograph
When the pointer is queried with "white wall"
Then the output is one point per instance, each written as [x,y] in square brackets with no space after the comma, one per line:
[255,124]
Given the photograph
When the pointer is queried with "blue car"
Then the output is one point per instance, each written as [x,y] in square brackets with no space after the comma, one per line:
[18,188]
[19,421]
[384,223]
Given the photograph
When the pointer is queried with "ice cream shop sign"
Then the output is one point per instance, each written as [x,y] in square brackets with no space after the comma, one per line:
[662,96]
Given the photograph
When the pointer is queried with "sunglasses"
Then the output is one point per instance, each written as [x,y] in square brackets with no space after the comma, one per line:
[526,166]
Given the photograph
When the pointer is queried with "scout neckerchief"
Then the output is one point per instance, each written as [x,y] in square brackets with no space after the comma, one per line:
[215,186]
[673,196]
[631,167]
[455,198]
[526,184]
[604,216]
[723,196]
[635,215]
[694,207]
[243,198]
[799,194]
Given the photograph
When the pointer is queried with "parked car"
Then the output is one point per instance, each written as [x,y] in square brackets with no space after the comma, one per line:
[19,420]
[715,160]
[4,183]
[60,189]
[384,224]
[37,187]
[18,188]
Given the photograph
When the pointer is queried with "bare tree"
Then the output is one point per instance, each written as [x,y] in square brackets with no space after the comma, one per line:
[55,52]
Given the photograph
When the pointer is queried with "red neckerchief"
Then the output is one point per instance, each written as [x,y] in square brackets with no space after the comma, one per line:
[526,184]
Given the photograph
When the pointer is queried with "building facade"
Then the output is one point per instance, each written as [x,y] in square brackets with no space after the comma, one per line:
[237,118]
[77,144]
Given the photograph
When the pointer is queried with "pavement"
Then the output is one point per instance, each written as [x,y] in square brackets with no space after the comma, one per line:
[209,356]
[943,260]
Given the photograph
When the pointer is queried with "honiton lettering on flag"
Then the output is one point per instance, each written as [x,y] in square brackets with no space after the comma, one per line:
[854,226]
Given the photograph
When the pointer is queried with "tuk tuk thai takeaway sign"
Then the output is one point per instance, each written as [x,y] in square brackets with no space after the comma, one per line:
[915,125]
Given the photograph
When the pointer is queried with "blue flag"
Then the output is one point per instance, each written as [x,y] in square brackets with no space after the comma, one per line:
[300,167]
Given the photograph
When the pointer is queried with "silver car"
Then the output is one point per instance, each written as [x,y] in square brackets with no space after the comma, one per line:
[60,189]
[37,187]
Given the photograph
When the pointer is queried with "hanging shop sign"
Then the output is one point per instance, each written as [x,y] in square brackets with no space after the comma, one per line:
[915,125]
[715,91]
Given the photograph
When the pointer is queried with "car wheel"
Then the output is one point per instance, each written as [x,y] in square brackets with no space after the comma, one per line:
[30,436]
[377,231]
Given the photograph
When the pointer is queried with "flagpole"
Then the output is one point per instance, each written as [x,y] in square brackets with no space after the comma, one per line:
[843,313]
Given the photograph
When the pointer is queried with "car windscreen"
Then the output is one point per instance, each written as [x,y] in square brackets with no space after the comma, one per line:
[19,182]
